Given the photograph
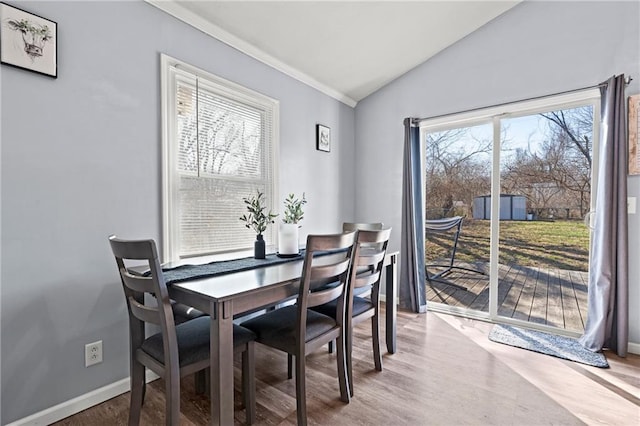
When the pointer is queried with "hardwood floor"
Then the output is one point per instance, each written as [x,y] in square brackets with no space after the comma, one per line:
[549,296]
[446,372]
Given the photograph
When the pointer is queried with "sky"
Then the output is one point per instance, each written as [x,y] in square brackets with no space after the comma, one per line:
[526,132]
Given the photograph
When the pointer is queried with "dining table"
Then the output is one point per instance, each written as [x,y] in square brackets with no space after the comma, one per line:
[235,293]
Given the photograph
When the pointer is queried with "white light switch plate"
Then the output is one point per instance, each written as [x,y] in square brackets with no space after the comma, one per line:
[631,205]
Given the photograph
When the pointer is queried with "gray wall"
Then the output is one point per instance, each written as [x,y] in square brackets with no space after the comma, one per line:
[534,49]
[80,159]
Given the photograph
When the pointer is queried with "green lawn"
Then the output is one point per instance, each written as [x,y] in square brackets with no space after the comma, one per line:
[561,244]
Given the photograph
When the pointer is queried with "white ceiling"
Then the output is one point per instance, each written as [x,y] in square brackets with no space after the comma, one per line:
[346,49]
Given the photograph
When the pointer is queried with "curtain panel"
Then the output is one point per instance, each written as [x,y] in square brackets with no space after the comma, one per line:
[608,301]
[412,273]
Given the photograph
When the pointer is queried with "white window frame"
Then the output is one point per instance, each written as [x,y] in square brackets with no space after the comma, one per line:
[494,115]
[170,175]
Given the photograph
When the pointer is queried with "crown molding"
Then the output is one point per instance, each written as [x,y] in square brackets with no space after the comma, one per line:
[176,10]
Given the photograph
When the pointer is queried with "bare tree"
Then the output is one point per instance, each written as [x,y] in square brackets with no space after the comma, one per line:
[529,174]
[577,126]
[572,132]
[557,173]
[456,170]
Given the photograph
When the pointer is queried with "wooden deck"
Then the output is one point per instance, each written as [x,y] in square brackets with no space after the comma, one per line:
[547,296]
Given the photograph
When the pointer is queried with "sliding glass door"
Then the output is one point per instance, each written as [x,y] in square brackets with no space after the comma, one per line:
[458,170]
[508,193]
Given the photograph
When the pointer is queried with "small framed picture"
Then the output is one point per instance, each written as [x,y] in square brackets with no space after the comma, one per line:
[28,41]
[323,138]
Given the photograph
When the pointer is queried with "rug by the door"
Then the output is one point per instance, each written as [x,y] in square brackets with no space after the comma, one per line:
[545,343]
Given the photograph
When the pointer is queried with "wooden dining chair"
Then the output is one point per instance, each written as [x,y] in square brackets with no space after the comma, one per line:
[177,350]
[356,226]
[372,248]
[298,330]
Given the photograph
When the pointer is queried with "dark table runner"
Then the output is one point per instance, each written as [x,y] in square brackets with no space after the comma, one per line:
[191,272]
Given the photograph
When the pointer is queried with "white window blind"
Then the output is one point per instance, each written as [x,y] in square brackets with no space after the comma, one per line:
[221,148]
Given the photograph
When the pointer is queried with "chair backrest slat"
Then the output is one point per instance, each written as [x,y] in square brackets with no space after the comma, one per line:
[133,249]
[366,279]
[137,283]
[368,257]
[367,271]
[144,313]
[324,296]
[374,237]
[354,226]
[321,272]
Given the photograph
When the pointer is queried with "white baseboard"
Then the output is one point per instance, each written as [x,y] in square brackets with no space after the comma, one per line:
[634,348]
[75,405]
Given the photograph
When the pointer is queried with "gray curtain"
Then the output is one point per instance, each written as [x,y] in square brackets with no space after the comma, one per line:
[412,273]
[608,304]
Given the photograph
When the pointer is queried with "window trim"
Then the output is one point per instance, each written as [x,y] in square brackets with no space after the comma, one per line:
[512,109]
[169,181]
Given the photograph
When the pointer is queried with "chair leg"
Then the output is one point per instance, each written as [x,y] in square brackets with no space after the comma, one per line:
[375,334]
[249,382]
[301,392]
[349,360]
[172,396]
[342,369]
[201,381]
[331,346]
[289,366]
[137,392]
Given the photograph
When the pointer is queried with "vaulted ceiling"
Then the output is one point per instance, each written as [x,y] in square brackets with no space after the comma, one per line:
[346,49]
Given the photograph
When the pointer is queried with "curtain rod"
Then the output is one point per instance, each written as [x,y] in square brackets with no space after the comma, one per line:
[416,121]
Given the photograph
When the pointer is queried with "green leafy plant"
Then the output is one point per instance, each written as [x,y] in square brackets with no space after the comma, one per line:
[256,218]
[293,209]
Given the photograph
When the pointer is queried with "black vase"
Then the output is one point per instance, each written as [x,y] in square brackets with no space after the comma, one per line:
[259,247]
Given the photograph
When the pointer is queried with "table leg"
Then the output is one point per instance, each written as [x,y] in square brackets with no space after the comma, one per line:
[390,306]
[221,363]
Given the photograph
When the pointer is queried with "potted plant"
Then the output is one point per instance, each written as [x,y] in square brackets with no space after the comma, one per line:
[288,231]
[258,220]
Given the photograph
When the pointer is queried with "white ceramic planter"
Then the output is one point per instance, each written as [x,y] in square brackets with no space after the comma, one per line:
[288,239]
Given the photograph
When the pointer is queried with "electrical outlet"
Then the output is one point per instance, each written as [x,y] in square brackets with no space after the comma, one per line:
[93,353]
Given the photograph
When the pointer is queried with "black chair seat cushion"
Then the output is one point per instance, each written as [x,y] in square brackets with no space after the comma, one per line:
[360,305]
[193,341]
[278,328]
